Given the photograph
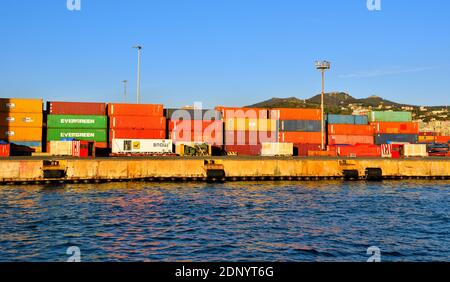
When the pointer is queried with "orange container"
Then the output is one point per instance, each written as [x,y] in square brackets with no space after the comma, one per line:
[295,114]
[350,139]
[20,119]
[136,134]
[232,112]
[300,137]
[23,134]
[443,139]
[136,110]
[322,154]
[395,127]
[13,105]
[349,129]
[135,122]
[195,125]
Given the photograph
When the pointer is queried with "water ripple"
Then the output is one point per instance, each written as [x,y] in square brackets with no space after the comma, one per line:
[312,221]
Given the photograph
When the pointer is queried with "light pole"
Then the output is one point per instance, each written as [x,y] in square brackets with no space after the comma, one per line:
[138,89]
[323,66]
[125,89]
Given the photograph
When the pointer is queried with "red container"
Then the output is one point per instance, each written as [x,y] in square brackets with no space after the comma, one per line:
[429,134]
[76,108]
[443,139]
[195,125]
[350,139]
[136,134]
[302,150]
[5,150]
[230,112]
[295,114]
[395,127]
[300,137]
[249,137]
[358,151]
[244,150]
[136,110]
[134,122]
[211,138]
[349,129]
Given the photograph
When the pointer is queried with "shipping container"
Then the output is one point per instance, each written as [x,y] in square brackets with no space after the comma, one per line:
[149,110]
[13,105]
[443,139]
[249,137]
[136,134]
[189,114]
[77,121]
[4,150]
[303,149]
[277,149]
[83,149]
[243,150]
[241,124]
[137,122]
[322,153]
[60,148]
[350,129]
[347,119]
[300,125]
[392,138]
[196,125]
[142,146]
[427,139]
[390,116]
[58,134]
[253,113]
[415,150]
[21,119]
[357,151]
[429,134]
[76,108]
[208,137]
[350,139]
[300,137]
[395,127]
[295,114]
[21,133]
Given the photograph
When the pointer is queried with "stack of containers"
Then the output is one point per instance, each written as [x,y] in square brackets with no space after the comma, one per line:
[187,126]
[245,129]
[349,130]
[77,121]
[391,127]
[21,123]
[136,121]
[302,127]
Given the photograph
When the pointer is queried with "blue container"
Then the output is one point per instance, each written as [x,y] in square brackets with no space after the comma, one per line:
[347,119]
[392,138]
[300,125]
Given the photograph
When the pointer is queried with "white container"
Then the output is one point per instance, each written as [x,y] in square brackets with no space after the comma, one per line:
[142,146]
[277,149]
[415,150]
[61,148]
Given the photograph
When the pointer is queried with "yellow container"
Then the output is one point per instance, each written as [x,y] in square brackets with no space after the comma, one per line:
[426,139]
[13,105]
[11,134]
[246,124]
[20,120]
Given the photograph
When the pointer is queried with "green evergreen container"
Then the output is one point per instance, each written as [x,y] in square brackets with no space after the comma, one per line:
[390,116]
[57,134]
[77,121]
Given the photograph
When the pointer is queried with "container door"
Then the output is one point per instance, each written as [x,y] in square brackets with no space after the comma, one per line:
[76,148]
[386,151]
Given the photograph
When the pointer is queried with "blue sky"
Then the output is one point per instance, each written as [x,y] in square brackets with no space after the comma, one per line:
[224,52]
